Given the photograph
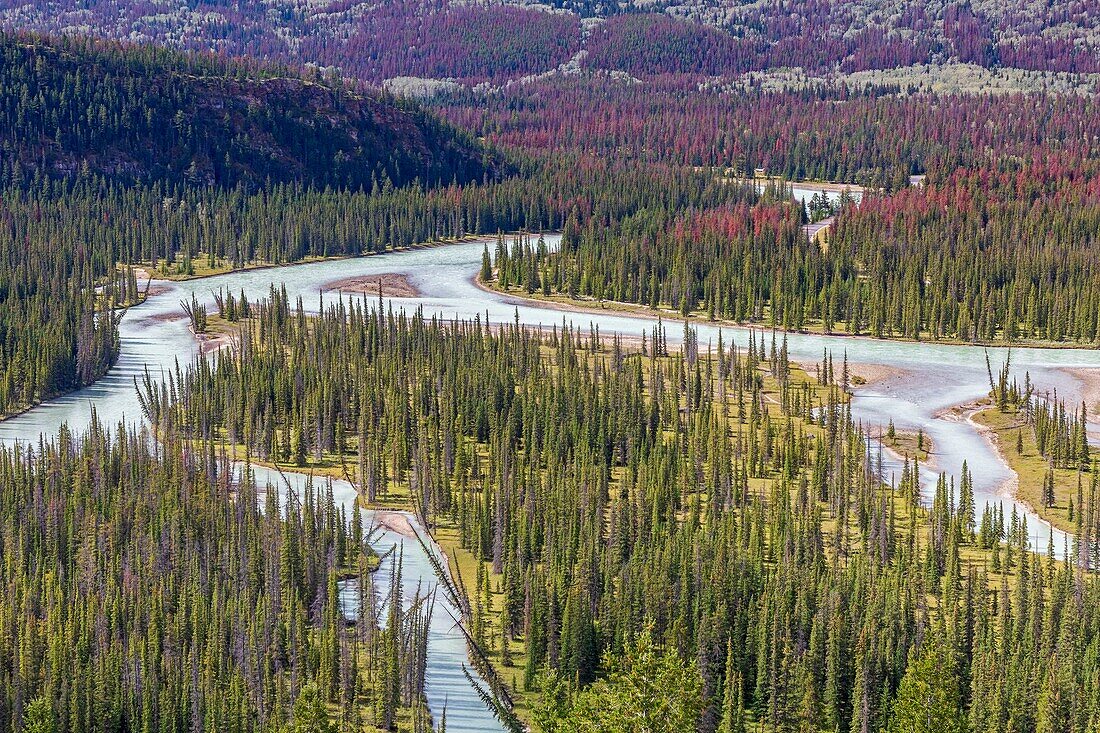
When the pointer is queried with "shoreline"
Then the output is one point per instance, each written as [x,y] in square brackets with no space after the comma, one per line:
[593,307]
[873,374]
[927,464]
[808,185]
[1089,379]
[391,520]
[566,304]
[209,343]
[824,186]
[312,260]
[1009,487]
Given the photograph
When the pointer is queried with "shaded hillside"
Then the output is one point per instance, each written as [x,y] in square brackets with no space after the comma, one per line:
[147,115]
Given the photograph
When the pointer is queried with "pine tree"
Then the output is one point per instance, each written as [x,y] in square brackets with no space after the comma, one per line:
[486,266]
[310,714]
[579,652]
[38,717]
[733,714]
[646,689]
[928,699]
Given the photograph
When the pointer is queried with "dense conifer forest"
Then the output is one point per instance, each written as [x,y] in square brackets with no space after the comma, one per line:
[57,332]
[156,590]
[506,42]
[639,535]
[982,256]
[707,516]
[878,136]
[177,228]
[151,115]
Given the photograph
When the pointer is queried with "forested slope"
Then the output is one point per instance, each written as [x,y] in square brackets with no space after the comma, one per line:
[141,114]
[500,42]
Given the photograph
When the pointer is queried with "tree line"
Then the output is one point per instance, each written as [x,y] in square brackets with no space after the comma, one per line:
[1004,255]
[157,587]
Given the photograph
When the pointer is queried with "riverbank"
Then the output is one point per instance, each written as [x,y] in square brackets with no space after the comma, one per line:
[202,270]
[559,301]
[219,333]
[1006,431]
[863,376]
[833,187]
[908,445]
[154,284]
[1089,393]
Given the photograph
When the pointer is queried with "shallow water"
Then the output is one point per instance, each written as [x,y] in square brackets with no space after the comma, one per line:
[931,378]
[445,684]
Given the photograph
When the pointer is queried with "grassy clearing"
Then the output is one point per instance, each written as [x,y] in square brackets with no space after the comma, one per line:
[1008,431]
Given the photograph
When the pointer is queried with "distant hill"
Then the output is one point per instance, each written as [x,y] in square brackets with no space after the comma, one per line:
[478,42]
[147,115]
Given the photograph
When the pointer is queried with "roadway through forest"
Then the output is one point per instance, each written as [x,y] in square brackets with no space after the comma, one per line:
[920,384]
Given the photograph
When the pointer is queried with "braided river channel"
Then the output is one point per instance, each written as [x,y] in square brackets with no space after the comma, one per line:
[918,386]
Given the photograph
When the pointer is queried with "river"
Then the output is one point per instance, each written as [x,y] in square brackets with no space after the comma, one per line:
[926,380]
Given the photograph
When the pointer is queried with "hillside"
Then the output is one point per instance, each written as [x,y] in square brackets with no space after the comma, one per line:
[141,115]
[486,42]
[258,163]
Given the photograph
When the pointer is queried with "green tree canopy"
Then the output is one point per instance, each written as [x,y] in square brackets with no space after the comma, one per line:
[647,690]
[310,714]
[928,698]
[38,717]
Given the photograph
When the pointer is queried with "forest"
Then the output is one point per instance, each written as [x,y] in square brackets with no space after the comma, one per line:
[146,114]
[507,42]
[707,516]
[876,137]
[152,590]
[57,332]
[637,534]
[983,256]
